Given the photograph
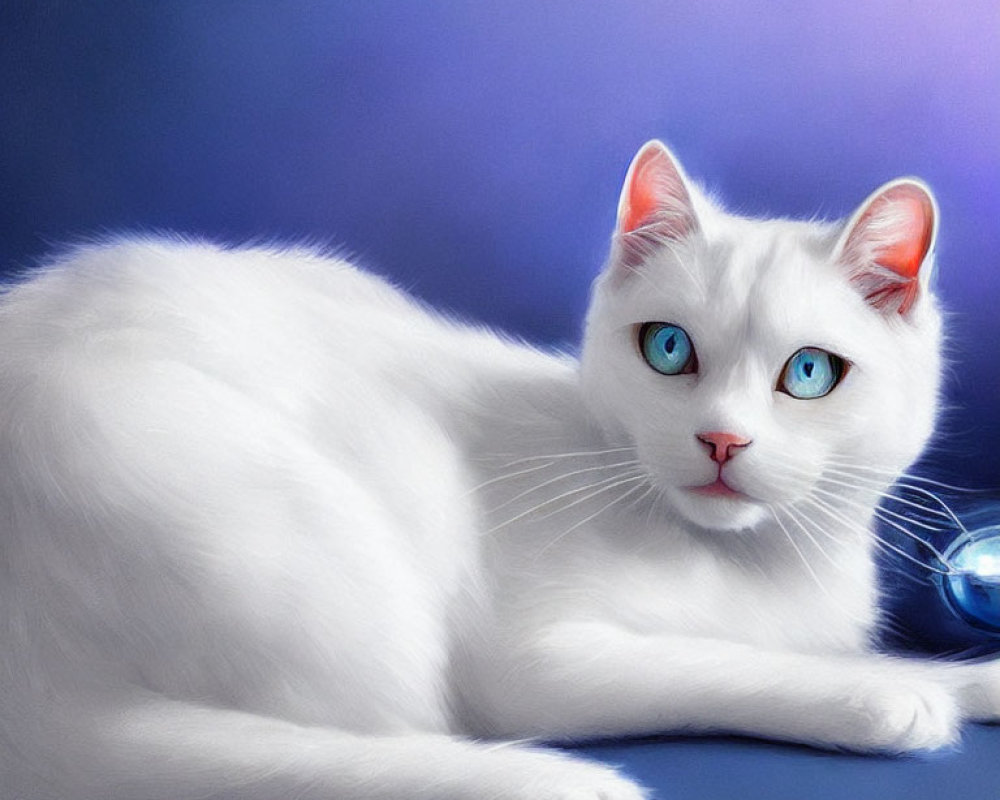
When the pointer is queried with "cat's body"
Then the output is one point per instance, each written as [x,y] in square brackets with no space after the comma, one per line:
[271,529]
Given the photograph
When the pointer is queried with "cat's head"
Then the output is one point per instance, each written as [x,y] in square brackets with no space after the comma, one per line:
[748,359]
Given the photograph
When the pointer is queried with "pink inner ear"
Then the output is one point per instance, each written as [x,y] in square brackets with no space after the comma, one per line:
[888,245]
[641,196]
[912,232]
[656,194]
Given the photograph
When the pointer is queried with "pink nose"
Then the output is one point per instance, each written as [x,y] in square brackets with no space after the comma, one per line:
[722,445]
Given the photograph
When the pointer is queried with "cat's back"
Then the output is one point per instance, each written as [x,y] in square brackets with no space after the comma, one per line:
[111,344]
[284,324]
[195,293]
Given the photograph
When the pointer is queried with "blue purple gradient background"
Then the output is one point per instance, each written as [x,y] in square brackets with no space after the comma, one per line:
[473,151]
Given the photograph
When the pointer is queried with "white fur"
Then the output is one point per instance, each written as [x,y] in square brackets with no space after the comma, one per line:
[271,529]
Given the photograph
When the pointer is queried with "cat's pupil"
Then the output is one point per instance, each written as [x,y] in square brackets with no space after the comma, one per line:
[670,343]
[807,368]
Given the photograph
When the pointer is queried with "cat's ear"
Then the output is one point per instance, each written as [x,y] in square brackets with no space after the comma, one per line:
[888,245]
[656,195]
[655,203]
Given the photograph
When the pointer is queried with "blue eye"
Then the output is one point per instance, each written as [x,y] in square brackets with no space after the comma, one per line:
[667,348]
[811,373]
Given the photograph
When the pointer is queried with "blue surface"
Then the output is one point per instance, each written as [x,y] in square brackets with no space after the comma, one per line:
[474,151]
[724,769]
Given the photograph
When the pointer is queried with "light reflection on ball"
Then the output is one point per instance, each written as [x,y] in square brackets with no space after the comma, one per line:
[973,589]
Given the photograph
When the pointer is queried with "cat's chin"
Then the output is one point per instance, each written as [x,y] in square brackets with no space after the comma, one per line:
[717,511]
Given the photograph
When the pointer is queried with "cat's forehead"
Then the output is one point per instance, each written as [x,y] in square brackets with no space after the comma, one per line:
[771,281]
[790,290]
[751,260]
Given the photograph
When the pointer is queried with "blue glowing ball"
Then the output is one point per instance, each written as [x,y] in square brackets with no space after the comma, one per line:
[972,589]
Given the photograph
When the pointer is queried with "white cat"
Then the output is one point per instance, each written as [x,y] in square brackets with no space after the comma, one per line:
[270,529]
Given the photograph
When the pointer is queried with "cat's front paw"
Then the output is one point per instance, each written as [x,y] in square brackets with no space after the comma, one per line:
[904,716]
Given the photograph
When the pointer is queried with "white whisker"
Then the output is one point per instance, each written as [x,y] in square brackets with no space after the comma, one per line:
[832,512]
[883,512]
[945,508]
[896,514]
[801,555]
[587,519]
[837,601]
[605,484]
[896,476]
[562,477]
[577,454]
[637,501]
[508,476]
[793,516]
[595,493]
[886,495]
[896,525]
[877,540]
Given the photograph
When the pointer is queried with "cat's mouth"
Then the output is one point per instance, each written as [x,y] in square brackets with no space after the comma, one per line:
[718,488]
[718,506]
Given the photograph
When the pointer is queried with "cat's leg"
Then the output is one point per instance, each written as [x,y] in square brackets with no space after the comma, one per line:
[146,747]
[594,679]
